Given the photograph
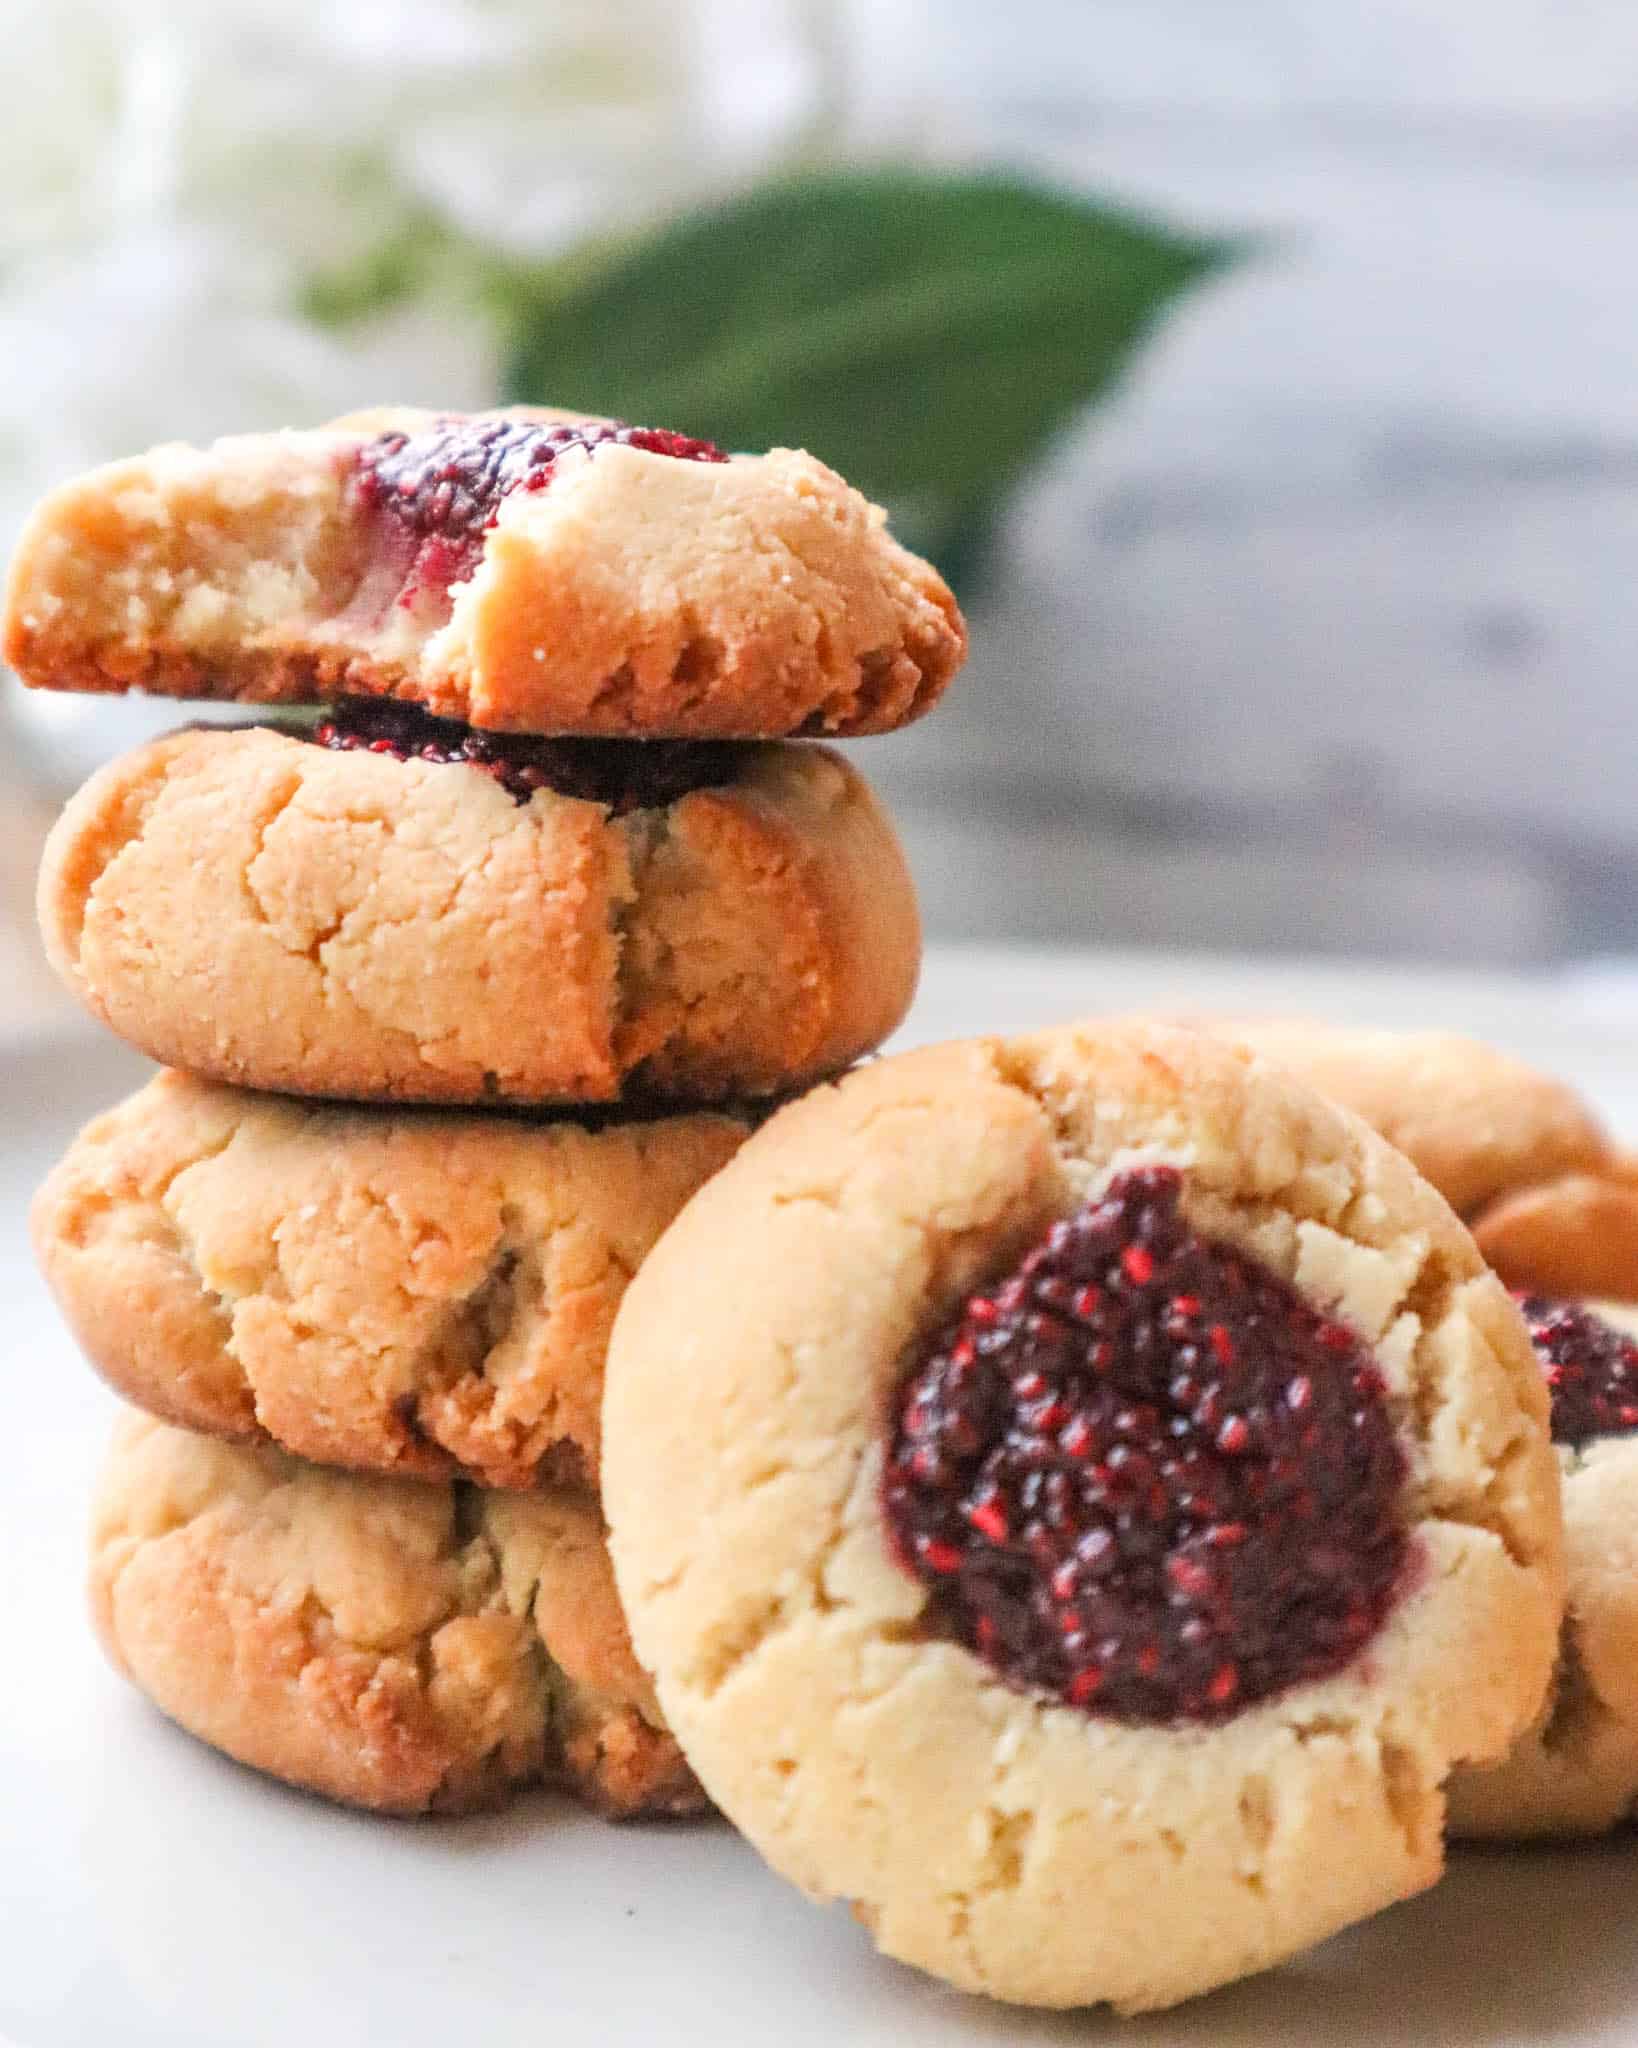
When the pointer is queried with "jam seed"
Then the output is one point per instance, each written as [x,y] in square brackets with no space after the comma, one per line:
[989,1518]
[1189,1577]
[1225,1683]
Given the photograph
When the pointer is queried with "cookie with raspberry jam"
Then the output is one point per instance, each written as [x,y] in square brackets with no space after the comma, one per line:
[393,907]
[526,570]
[388,1643]
[1576,1771]
[1078,1497]
[1516,1152]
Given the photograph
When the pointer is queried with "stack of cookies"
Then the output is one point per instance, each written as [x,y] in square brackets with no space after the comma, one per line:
[463,981]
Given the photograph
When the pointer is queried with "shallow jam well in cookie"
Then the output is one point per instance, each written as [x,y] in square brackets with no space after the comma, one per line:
[1591,1369]
[439,491]
[1141,1473]
[619,774]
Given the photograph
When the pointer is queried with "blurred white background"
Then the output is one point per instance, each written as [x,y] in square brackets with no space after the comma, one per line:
[1314,639]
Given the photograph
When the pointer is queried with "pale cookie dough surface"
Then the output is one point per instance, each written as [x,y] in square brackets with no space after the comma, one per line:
[385,1642]
[1516,1152]
[404,1291]
[261,910]
[997,1838]
[636,596]
[1575,1771]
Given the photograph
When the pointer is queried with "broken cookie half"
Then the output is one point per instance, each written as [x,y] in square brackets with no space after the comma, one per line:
[525,570]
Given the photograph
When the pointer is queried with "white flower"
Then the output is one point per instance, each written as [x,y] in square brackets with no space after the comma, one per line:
[177,172]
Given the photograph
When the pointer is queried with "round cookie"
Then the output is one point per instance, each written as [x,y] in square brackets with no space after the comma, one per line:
[530,570]
[408,1292]
[1576,1235]
[1575,1771]
[390,1644]
[336,920]
[1516,1152]
[1057,1477]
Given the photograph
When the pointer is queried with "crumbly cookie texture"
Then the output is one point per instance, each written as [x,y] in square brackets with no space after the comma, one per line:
[420,1293]
[1516,1152]
[388,1643]
[1575,1772]
[1001,1839]
[263,911]
[637,595]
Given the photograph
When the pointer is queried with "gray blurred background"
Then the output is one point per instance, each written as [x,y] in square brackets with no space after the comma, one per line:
[1313,638]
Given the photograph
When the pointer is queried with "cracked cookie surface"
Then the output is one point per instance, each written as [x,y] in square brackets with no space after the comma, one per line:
[1575,1771]
[259,910]
[385,1642]
[415,1292]
[1002,1837]
[1516,1152]
[620,592]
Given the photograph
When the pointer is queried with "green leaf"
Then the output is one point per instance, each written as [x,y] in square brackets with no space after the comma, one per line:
[924,334]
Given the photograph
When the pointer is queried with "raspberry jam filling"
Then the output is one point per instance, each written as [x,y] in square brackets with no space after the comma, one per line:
[623,775]
[443,488]
[1143,1475]
[1591,1369]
